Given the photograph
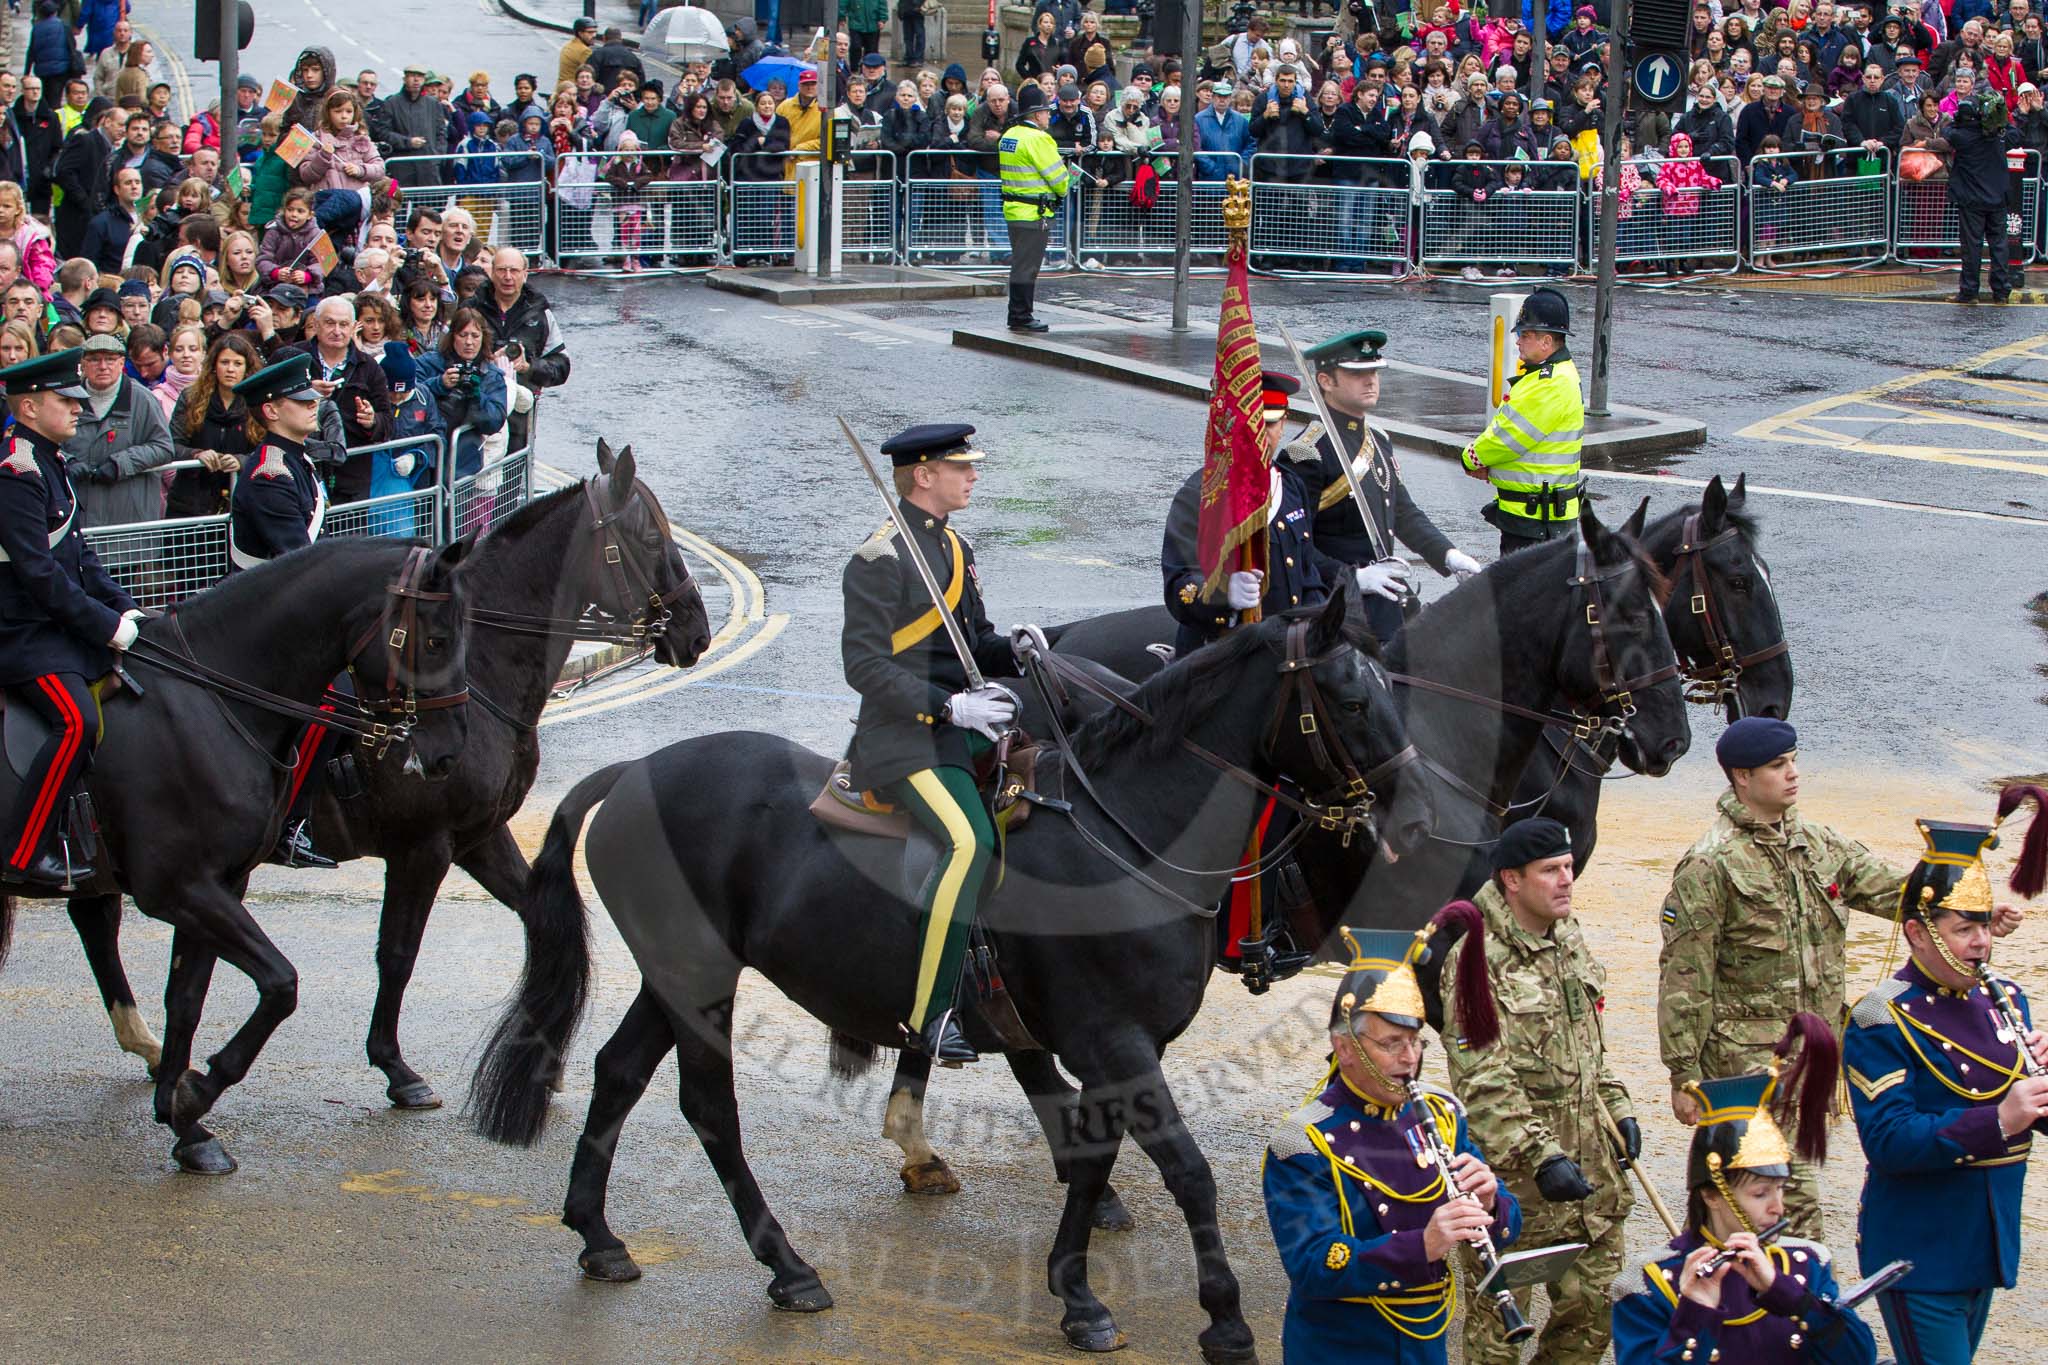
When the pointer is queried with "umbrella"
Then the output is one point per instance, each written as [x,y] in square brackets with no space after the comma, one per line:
[784,69]
[689,34]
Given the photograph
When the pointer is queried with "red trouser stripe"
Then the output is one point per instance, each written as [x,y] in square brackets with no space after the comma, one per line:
[309,752]
[60,768]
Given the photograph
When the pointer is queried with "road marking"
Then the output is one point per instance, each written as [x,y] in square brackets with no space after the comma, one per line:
[1846,499]
[1847,421]
[181,81]
[770,628]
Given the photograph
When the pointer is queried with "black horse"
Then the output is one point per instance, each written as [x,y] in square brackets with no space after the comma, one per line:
[1514,639]
[1725,625]
[709,861]
[531,580]
[285,629]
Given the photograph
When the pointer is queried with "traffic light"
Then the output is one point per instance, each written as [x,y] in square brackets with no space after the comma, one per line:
[206,37]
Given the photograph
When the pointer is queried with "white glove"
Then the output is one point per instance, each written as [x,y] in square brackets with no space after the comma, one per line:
[1387,577]
[1027,642]
[1461,564]
[403,466]
[1246,589]
[125,633]
[983,709]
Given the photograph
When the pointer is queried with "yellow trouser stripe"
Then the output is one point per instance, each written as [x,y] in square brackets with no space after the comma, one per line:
[959,857]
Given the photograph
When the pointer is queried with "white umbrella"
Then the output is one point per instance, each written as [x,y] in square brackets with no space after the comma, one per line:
[688,33]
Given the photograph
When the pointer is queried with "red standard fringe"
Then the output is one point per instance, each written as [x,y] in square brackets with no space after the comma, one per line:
[1477,1018]
[2030,873]
[1809,1080]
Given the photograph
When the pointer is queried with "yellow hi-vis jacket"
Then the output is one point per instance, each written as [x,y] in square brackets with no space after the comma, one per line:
[1034,177]
[1534,440]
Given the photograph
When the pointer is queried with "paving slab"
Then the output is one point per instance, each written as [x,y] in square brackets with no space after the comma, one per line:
[1437,411]
[854,284]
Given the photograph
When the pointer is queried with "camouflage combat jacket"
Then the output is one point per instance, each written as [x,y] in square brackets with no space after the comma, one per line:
[1536,1093]
[1754,931]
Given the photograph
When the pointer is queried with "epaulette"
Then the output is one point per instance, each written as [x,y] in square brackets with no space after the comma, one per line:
[21,461]
[1302,450]
[1874,1009]
[270,464]
[1813,1250]
[1291,1137]
[879,545]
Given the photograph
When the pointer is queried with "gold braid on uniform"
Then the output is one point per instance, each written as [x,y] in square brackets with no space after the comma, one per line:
[1721,1184]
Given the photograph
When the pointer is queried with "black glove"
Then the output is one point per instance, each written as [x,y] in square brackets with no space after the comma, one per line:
[1631,1138]
[74,470]
[1560,1181]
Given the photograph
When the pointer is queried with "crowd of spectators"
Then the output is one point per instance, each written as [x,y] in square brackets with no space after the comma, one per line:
[183,254]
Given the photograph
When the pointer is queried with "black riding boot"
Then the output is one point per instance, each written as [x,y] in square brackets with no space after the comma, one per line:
[51,870]
[943,1042]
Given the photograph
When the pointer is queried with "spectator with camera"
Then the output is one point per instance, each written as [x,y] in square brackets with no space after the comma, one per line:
[353,384]
[467,389]
[1978,183]
[519,317]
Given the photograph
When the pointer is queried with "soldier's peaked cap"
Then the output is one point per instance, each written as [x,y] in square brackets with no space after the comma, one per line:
[930,441]
[292,378]
[54,373]
[1352,351]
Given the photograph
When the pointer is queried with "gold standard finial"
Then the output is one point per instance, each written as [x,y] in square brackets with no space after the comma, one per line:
[1237,209]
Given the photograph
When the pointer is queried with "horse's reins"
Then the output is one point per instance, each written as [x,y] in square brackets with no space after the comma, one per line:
[1716,680]
[401,645]
[1048,672]
[628,579]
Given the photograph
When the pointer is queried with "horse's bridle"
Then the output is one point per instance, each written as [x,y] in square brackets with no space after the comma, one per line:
[1050,674]
[398,624]
[1617,695]
[1716,679]
[628,580]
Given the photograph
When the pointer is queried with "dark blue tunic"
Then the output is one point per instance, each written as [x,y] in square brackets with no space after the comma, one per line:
[278,504]
[1297,573]
[59,608]
[1794,1320]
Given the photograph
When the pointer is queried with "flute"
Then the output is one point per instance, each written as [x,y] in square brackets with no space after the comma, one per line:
[1719,1259]
[1516,1327]
[2009,1014]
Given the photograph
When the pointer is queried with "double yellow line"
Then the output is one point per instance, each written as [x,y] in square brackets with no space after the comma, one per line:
[748,629]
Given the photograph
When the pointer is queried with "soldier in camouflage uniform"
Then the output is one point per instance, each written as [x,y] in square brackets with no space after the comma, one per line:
[1755,927]
[1534,1099]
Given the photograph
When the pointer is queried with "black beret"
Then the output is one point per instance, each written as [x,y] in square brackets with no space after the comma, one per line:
[1531,841]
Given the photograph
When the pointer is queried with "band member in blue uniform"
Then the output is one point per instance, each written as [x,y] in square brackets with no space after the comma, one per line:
[1946,1105]
[1347,370]
[1358,1209]
[1767,1303]
[1297,573]
[62,616]
[921,726]
[278,505]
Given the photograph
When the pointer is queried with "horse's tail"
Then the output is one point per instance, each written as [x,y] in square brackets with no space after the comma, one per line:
[509,1097]
[851,1057]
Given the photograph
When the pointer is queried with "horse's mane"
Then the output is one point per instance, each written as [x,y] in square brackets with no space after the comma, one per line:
[253,589]
[1672,522]
[1175,697]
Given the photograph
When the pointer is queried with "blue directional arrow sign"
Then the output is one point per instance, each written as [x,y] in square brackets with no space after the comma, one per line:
[1658,76]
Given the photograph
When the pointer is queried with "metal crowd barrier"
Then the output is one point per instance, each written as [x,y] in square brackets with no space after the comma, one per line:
[508,211]
[1524,226]
[1926,222]
[1354,214]
[1686,225]
[868,205]
[594,219]
[480,501]
[763,214]
[161,563]
[1832,214]
[1111,229]
[953,213]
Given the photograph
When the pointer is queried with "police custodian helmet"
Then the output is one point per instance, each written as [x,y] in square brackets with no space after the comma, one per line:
[1545,310]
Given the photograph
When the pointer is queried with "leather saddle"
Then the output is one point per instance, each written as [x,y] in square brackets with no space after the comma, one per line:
[843,806]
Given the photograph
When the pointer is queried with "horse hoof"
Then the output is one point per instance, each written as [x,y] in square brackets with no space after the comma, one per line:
[1232,1346]
[1095,1335]
[1111,1215]
[804,1293]
[930,1177]
[204,1157]
[413,1095]
[613,1265]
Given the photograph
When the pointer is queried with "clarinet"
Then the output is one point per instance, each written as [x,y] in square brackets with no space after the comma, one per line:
[1512,1322]
[2009,1014]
